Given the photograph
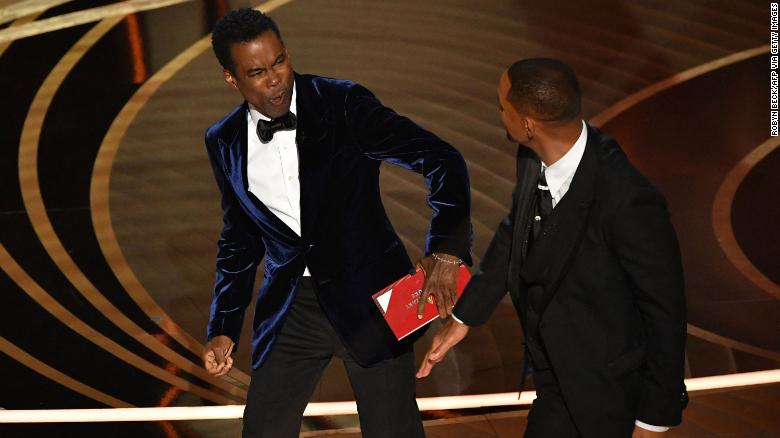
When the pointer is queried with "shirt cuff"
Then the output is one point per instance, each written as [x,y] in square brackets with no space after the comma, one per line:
[457,319]
[650,427]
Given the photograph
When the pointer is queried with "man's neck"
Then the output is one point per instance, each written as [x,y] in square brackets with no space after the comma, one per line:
[555,143]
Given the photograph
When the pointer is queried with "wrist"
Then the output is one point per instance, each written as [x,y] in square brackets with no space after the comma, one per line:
[456,319]
[446,258]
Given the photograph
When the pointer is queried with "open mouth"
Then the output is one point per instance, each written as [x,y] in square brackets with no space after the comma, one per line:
[277,100]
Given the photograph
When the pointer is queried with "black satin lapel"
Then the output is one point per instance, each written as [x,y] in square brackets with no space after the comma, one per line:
[563,229]
[234,151]
[315,150]
[236,160]
[528,170]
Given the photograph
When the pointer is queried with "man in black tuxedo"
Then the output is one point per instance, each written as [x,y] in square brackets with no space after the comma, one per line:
[593,267]
[298,168]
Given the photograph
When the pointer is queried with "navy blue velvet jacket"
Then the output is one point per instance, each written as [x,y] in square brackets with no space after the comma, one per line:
[344,133]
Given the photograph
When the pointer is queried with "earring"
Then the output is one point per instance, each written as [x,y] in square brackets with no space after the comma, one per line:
[528,131]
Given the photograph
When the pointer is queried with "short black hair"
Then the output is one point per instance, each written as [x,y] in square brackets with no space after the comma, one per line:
[239,26]
[545,88]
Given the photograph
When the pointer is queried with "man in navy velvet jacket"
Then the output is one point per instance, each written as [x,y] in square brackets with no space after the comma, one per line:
[298,168]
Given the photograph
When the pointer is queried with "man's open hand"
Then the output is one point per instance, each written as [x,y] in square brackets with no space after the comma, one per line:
[216,357]
[450,334]
[441,280]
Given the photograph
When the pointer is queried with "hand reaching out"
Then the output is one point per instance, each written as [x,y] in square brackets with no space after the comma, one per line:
[450,334]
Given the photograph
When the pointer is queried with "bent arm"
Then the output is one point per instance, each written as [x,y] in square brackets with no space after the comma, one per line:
[384,135]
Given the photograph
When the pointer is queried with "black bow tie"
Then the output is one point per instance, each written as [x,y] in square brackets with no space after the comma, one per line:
[267,128]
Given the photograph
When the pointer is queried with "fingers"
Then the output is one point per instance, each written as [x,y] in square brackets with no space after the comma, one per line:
[454,293]
[219,355]
[215,368]
[442,302]
[208,362]
[425,368]
[441,281]
[435,355]
[211,364]
[441,295]
[225,367]
[423,301]
[216,357]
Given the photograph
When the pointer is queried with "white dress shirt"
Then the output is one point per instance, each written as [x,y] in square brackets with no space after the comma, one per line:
[559,176]
[272,170]
[560,173]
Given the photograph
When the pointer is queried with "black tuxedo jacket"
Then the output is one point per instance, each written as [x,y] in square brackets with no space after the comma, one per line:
[602,287]
[347,241]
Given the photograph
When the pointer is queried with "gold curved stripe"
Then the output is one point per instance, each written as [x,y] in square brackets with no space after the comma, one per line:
[22,21]
[27,7]
[733,344]
[610,113]
[721,217]
[99,194]
[36,292]
[117,10]
[31,195]
[45,370]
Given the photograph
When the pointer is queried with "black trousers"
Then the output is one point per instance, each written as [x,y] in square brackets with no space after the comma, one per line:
[549,416]
[281,388]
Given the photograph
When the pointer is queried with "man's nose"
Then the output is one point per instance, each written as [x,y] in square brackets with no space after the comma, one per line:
[273,78]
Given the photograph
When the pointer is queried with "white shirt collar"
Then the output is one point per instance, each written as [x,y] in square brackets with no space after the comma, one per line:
[560,174]
[257,115]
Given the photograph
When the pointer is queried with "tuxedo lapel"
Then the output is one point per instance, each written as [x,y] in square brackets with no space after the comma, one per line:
[548,259]
[528,169]
[235,157]
[314,140]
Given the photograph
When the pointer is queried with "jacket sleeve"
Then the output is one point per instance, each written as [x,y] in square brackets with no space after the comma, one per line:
[488,285]
[646,246]
[239,251]
[382,134]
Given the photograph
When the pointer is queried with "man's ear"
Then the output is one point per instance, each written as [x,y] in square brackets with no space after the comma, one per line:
[230,79]
[530,127]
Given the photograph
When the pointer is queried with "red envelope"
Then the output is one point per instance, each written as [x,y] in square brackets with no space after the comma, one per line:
[398,302]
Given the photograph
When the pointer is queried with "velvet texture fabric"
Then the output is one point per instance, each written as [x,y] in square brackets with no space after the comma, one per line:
[601,290]
[344,133]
